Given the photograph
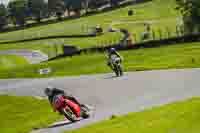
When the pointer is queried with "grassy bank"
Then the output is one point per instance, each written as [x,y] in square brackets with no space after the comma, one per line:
[167,57]
[159,13]
[10,61]
[179,117]
[22,114]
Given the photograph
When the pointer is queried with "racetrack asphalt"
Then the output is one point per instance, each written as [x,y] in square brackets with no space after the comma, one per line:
[109,95]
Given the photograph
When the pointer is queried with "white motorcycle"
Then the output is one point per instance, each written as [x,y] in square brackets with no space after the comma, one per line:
[116,66]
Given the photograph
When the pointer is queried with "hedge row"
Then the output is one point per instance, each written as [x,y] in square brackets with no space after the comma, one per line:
[147,44]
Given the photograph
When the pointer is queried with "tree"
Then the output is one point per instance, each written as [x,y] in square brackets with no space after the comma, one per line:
[73,5]
[68,6]
[76,6]
[60,9]
[56,7]
[18,11]
[38,8]
[93,4]
[85,4]
[190,10]
[3,16]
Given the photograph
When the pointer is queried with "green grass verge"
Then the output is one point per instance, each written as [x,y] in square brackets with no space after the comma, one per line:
[166,57]
[10,61]
[179,117]
[22,114]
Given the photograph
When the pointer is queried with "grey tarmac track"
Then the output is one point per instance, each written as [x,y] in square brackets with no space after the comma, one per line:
[133,92]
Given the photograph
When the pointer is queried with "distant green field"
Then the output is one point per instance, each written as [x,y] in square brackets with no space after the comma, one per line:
[23,114]
[166,57]
[179,117]
[11,61]
[160,13]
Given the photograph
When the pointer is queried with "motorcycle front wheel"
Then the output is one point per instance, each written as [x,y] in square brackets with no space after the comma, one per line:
[84,112]
[69,115]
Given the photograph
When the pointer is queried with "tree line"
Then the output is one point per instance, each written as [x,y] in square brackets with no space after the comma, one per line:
[18,12]
[190,11]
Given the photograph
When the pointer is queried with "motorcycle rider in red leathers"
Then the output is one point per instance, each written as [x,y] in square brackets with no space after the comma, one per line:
[51,92]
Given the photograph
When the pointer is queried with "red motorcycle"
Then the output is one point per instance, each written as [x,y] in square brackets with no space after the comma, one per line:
[69,108]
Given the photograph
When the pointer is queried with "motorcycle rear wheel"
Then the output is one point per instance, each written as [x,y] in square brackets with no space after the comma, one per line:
[115,69]
[120,71]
